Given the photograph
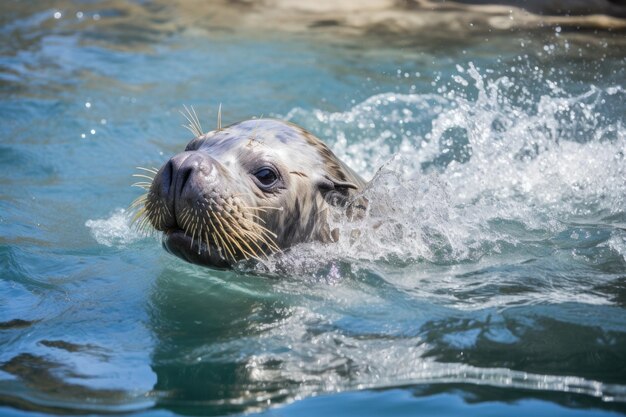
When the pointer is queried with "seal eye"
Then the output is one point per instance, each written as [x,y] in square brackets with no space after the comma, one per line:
[266,177]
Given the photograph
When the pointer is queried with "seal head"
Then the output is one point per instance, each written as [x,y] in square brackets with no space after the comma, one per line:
[245,191]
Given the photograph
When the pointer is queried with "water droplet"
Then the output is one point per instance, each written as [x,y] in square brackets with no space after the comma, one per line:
[88,105]
[92,131]
[79,15]
[57,15]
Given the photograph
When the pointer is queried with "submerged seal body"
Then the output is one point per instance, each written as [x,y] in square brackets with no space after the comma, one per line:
[245,191]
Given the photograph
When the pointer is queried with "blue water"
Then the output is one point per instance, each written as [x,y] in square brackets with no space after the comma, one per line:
[489,277]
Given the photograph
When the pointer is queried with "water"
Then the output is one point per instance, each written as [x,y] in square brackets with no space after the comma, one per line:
[488,278]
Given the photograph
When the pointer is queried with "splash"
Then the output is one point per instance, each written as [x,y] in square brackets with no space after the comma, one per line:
[617,242]
[481,167]
[114,231]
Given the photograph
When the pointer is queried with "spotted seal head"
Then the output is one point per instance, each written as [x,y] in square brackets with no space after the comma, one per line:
[246,191]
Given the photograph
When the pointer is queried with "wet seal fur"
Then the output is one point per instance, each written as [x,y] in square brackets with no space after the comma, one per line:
[245,191]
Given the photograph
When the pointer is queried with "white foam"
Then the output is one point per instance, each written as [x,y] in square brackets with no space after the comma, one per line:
[617,242]
[116,230]
[458,165]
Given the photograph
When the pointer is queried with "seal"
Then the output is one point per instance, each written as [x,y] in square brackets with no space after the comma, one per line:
[245,191]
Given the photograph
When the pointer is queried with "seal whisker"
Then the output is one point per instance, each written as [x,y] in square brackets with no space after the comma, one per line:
[214,230]
[143,176]
[141,201]
[208,243]
[259,235]
[251,208]
[219,117]
[236,243]
[184,217]
[258,240]
[200,240]
[167,210]
[254,216]
[248,254]
[268,208]
[196,119]
[253,239]
[138,214]
[143,224]
[263,208]
[263,238]
[265,230]
[253,224]
[150,170]
[191,129]
[226,243]
[188,221]
[237,230]
[193,234]
[204,228]
[223,230]
[257,228]
[200,237]
[185,225]
[184,222]
[233,208]
[194,124]
[160,218]
[142,198]
[244,241]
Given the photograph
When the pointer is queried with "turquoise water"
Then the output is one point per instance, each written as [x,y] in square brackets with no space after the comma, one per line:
[488,279]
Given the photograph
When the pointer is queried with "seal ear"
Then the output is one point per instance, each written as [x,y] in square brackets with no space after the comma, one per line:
[335,192]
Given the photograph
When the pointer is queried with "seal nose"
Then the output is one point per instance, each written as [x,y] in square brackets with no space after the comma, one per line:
[192,174]
[184,173]
[168,176]
[182,182]
[179,170]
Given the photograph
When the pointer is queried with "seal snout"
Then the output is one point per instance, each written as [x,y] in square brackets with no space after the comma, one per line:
[180,183]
